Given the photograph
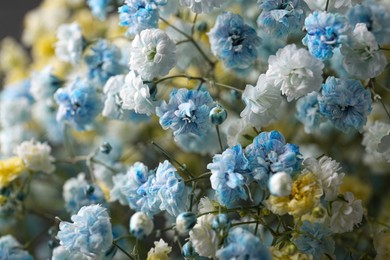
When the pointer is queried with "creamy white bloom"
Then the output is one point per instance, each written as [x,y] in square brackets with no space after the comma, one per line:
[141,225]
[362,57]
[280,184]
[203,237]
[43,84]
[202,6]
[160,250]
[136,95]
[36,156]
[112,104]
[346,214]
[205,205]
[295,71]
[376,139]
[69,46]
[153,54]
[326,171]
[262,103]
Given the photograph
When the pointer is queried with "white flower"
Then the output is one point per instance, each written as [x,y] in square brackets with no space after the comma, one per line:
[141,225]
[362,57]
[205,205]
[202,6]
[346,214]
[326,171]
[43,84]
[112,104]
[36,156]
[295,72]
[160,251]
[280,184]
[136,95]
[262,103]
[153,54]
[203,237]
[376,140]
[69,46]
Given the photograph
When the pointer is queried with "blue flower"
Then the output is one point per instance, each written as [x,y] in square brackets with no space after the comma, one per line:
[308,112]
[269,154]
[242,244]
[228,175]
[315,239]
[11,249]
[103,62]
[346,103]
[139,15]
[325,31]
[234,42]
[99,8]
[77,192]
[79,104]
[90,233]
[282,17]
[187,112]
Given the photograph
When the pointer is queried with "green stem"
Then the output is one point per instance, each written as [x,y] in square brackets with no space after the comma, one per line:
[327,5]
[229,87]
[179,76]
[219,138]
[123,250]
[202,176]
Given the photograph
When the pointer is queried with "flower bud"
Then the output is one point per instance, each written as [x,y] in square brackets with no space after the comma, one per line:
[280,184]
[185,222]
[202,27]
[220,222]
[217,115]
[141,225]
[189,251]
[105,148]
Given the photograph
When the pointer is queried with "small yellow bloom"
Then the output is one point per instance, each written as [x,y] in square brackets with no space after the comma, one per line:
[305,195]
[282,254]
[10,169]
[3,200]
[160,251]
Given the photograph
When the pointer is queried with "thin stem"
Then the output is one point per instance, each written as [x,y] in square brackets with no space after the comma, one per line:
[193,24]
[123,250]
[192,195]
[229,87]
[384,49]
[202,176]
[327,5]
[105,165]
[122,237]
[225,211]
[182,41]
[67,141]
[179,76]
[244,223]
[384,107]
[219,138]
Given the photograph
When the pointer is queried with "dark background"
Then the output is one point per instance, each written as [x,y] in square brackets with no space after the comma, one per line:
[12,13]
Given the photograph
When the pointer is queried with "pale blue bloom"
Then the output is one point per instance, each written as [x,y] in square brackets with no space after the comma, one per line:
[44,84]
[282,17]
[375,15]
[325,31]
[308,112]
[10,249]
[79,104]
[139,15]
[346,103]
[185,221]
[233,41]
[99,8]
[90,233]
[103,62]
[206,144]
[228,175]
[187,112]
[241,244]
[78,192]
[60,253]
[315,239]
[44,113]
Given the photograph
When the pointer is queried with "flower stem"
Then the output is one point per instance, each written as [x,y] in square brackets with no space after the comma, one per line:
[123,250]
[219,138]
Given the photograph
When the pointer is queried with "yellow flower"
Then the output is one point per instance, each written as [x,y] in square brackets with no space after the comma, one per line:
[160,251]
[305,195]
[10,169]
[282,254]
[12,55]
[43,50]
[3,200]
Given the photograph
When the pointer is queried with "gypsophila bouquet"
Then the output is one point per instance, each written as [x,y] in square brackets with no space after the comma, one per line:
[196,129]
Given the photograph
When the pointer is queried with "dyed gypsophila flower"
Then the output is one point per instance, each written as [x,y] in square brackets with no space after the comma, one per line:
[78,192]
[36,156]
[153,54]
[228,175]
[262,103]
[140,225]
[375,15]
[137,96]
[325,31]
[346,213]
[280,184]
[295,72]
[103,62]
[187,112]
[160,251]
[374,139]
[282,17]
[11,249]
[44,84]
[327,171]
[240,243]
[185,222]
[90,233]
[79,104]
[233,41]
[315,239]
[346,103]
[70,44]
[362,57]
[308,112]
[60,253]
[138,15]
[99,8]
[202,6]
[203,238]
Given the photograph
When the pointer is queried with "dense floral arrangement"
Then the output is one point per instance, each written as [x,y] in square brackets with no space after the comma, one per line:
[196,129]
